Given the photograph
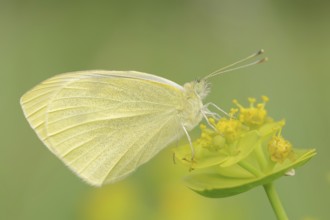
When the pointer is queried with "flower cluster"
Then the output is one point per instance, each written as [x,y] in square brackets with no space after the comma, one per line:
[233,138]
[246,145]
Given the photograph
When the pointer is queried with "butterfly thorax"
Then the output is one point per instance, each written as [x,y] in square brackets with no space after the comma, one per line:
[191,113]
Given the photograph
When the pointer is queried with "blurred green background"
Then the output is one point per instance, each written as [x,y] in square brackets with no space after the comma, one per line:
[180,40]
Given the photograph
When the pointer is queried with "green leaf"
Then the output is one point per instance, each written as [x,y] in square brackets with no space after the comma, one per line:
[234,180]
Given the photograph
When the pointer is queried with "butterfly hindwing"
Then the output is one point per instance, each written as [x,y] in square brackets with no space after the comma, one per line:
[104,124]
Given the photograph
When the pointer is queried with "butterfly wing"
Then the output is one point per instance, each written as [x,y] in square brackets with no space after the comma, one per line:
[104,124]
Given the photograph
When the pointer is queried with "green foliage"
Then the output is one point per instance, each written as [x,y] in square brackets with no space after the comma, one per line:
[223,182]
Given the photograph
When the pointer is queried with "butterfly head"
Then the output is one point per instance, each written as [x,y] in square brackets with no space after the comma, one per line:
[199,87]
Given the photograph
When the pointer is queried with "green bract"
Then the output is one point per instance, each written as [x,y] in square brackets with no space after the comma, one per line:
[240,152]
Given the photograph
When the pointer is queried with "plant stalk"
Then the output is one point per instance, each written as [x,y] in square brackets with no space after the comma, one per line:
[275,201]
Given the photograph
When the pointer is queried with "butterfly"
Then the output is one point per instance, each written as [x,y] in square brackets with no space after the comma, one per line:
[105,124]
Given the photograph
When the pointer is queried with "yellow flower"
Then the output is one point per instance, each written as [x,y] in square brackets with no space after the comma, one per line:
[254,115]
[230,128]
[205,139]
[239,152]
[279,149]
[230,140]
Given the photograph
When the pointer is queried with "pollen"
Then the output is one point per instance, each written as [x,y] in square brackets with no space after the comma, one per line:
[255,115]
[206,136]
[233,112]
[230,128]
[210,139]
[279,149]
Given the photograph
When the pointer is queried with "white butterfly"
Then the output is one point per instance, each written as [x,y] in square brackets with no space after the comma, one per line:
[105,124]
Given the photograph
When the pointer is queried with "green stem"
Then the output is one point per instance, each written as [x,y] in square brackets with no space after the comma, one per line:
[261,157]
[249,168]
[275,201]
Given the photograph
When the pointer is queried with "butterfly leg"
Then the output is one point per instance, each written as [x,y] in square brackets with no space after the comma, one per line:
[215,106]
[207,113]
[190,143]
[207,119]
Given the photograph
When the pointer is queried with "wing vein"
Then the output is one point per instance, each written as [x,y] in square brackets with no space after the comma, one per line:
[76,135]
[94,121]
[132,144]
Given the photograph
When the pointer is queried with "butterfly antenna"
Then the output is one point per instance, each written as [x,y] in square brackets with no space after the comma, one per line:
[229,69]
